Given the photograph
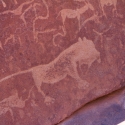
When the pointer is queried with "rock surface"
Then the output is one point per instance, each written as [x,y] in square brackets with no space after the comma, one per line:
[55,56]
[109,110]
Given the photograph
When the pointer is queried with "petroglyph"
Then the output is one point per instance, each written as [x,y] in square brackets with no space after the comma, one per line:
[43,32]
[21,113]
[59,34]
[9,38]
[70,13]
[95,18]
[41,18]
[13,38]
[108,3]
[23,14]
[1,47]
[12,101]
[20,40]
[15,1]
[35,33]
[83,51]
[18,11]
[3,3]
[101,34]
[33,103]
[27,9]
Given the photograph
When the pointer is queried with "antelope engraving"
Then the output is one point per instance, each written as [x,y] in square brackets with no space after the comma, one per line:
[70,13]
[18,11]
[83,51]
[12,101]
[108,3]
[4,4]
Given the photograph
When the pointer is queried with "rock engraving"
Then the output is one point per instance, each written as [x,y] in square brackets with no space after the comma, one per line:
[12,101]
[21,12]
[18,11]
[3,3]
[15,1]
[59,34]
[108,3]
[9,38]
[1,47]
[94,18]
[41,18]
[100,34]
[70,13]
[83,51]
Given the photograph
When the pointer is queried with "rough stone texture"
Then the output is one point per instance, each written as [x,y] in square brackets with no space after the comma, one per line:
[109,110]
[57,55]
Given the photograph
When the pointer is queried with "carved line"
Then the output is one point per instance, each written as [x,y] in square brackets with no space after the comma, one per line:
[3,3]
[12,102]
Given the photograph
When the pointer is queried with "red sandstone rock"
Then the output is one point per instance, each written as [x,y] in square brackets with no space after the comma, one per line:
[55,56]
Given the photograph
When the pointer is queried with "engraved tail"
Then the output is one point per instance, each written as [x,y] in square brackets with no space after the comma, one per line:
[15,74]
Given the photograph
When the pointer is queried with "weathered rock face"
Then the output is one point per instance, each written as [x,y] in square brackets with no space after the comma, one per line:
[55,56]
[109,110]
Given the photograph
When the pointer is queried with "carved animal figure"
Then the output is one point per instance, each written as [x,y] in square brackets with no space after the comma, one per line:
[12,101]
[70,13]
[3,3]
[108,3]
[83,51]
[19,10]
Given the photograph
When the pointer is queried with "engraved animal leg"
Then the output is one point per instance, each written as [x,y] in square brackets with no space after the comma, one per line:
[90,6]
[47,100]
[102,8]
[81,62]
[90,63]
[78,17]
[74,74]
[11,112]
[63,18]
[104,12]
[80,67]
[114,12]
